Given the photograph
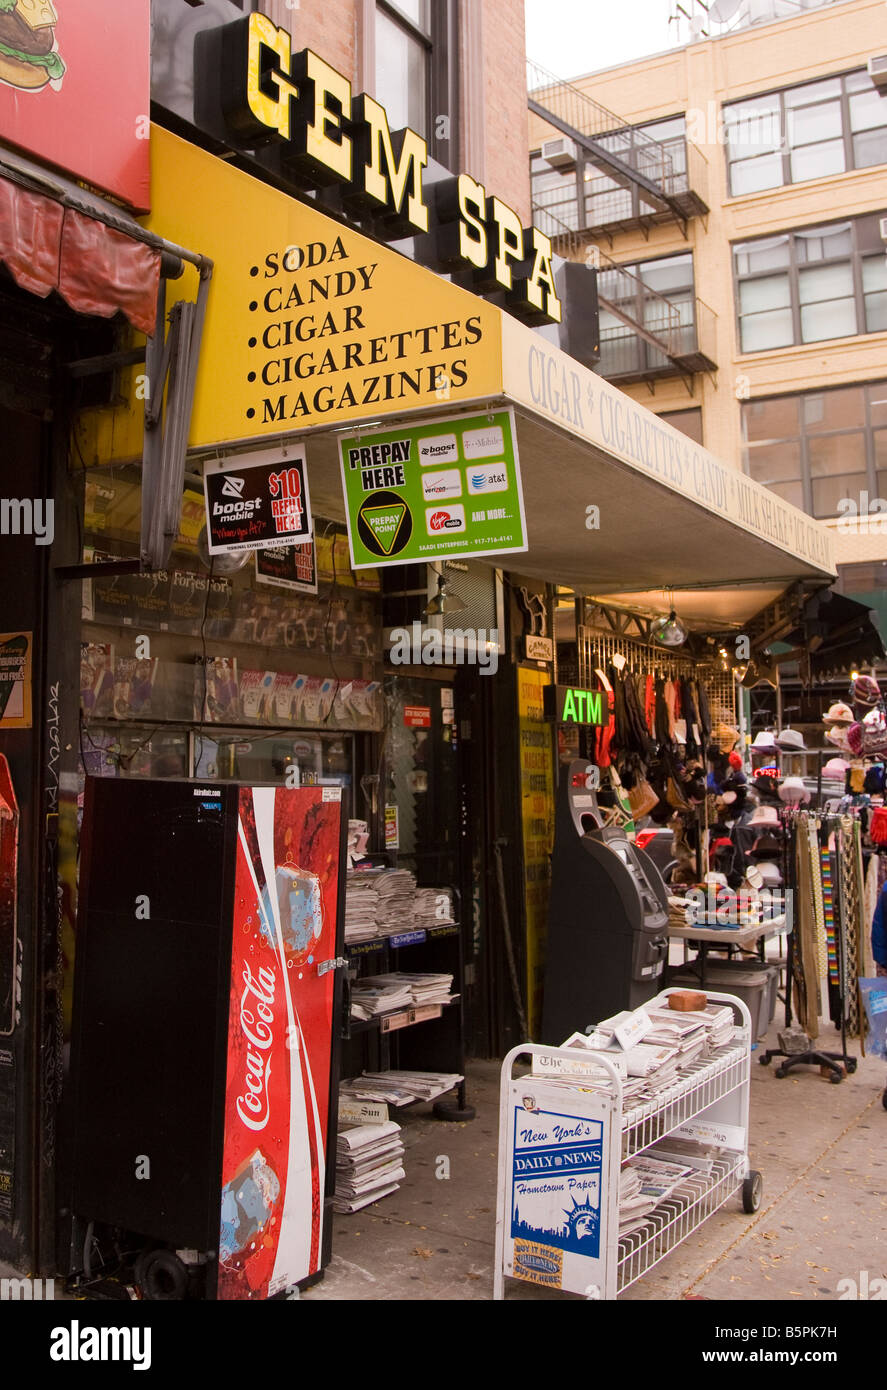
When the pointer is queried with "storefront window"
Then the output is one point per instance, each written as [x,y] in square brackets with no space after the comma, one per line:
[255,673]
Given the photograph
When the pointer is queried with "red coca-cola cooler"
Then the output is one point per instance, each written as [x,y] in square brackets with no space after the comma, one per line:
[204,1045]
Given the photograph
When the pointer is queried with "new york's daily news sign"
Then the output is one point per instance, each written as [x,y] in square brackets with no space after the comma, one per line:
[332,137]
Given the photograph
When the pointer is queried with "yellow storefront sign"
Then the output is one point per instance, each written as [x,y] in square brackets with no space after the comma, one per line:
[308,324]
[537,825]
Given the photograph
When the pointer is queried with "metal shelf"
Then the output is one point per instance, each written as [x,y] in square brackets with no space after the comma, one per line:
[704,1082]
[674,1219]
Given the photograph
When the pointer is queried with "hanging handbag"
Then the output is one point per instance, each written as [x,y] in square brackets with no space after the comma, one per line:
[642,798]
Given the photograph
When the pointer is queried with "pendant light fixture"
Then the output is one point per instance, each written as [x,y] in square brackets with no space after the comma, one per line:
[445,600]
[668,630]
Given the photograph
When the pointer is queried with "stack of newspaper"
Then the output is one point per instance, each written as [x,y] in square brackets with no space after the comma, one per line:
[395,911]
[433,907]
[379,994]
[697,1155]
[684,1031]
[361,904]
[718,1021]
[645,1182]
[399,1087]
[426,988]
[369,1165]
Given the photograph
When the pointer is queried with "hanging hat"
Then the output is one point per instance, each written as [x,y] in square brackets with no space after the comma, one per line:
[725,736]
[865,691]
[835,769]
[735,761]
[838,713]
[791,741]
[765,815]
[764,740]
[838,736]
[792,791]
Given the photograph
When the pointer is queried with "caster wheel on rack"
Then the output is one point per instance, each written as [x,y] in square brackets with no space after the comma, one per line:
[764,1060]
[455,1113]
[752,1192]
[781,1073]
[835,1078]
[884,1100]
[851,1065]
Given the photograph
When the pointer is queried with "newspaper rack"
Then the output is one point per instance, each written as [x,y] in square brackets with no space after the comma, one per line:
[561,1149]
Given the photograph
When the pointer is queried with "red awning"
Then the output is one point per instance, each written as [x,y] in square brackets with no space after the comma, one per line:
[95,268]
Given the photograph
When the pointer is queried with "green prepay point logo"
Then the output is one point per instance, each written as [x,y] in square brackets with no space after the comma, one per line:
[398,509]
[384,523]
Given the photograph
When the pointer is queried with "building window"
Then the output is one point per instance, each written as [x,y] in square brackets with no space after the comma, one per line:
[415,79]
[689,422]
[815,448]
[811,284]
[806,132]
[659,296]
[403,63]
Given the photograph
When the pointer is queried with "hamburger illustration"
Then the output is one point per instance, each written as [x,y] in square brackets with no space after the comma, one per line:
[27,58]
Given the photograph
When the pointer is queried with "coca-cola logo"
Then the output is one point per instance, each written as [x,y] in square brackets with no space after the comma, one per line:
[256,1018]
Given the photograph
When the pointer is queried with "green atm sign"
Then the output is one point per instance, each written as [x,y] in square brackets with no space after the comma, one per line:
[570,704]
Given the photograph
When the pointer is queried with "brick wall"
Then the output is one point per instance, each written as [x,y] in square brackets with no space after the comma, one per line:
[329,27]
[332,27]
[506,137]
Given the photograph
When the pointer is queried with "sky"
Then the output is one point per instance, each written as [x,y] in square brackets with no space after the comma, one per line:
[569,37]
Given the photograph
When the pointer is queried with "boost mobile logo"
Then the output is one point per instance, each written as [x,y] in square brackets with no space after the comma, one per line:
[233,487]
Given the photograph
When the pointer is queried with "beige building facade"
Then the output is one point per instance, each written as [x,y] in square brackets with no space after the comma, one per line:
[772,140]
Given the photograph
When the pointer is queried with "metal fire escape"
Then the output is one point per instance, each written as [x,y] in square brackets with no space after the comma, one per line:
[623,179]
[611,154]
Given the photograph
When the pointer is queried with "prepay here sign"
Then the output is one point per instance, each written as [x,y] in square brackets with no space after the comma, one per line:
[444,489]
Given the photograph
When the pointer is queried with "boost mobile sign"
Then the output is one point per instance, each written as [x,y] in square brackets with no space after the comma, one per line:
[446,489]
[257,502]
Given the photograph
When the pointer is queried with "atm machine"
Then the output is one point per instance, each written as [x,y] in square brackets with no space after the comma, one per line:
[607,916]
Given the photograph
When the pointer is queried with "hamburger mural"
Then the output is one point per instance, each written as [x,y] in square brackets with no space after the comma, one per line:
[28,57]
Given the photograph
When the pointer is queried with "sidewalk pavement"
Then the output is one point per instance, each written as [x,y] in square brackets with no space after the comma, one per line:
[822,1151]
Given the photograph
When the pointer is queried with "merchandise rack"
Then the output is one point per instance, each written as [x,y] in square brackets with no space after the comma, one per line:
[594,1136]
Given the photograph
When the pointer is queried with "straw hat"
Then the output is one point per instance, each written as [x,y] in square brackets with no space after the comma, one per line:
[838,713]
[725,737]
